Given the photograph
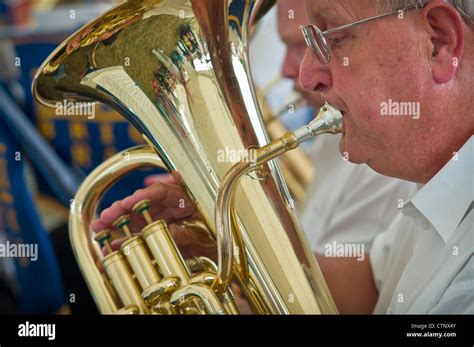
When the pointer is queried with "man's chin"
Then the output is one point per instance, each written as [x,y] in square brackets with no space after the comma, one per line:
[350,152]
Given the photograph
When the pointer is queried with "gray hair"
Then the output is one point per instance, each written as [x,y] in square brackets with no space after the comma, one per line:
[464,7]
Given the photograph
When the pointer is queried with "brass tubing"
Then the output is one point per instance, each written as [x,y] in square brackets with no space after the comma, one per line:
[205,296]
[243,262]
[328,120]
[224,210]
[122,279]
[157,294]
[140,261]
[164,250]
[83,211]
[207,277]
[228,302]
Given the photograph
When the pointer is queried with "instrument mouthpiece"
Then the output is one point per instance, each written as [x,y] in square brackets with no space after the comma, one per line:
[328,120]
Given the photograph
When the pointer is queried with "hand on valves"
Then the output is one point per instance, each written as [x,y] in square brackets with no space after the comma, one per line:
[167,201]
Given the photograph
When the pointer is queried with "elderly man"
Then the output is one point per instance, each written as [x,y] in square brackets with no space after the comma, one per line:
[362,203]
[401,77]
[367,58]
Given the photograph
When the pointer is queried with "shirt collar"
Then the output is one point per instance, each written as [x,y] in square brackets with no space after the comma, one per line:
[444,201]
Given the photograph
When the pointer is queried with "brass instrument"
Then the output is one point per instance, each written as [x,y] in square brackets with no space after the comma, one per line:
[178,71]
[297,168]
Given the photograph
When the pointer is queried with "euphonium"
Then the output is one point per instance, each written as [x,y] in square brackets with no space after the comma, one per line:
[178,71]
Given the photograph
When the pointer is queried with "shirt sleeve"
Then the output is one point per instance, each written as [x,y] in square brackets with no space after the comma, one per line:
[378,256]
[380,251]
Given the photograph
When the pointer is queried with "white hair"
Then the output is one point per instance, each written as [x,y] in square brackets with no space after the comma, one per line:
[464,7]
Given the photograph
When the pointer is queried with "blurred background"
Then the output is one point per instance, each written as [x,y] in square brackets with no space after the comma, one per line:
[44,157]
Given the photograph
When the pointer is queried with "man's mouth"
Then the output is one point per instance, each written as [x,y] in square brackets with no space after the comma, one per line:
[338,106]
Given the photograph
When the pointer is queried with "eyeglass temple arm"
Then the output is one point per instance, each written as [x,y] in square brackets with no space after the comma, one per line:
[330,31]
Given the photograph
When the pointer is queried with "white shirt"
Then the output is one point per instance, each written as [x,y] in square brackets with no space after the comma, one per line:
[424,262]
[348,203]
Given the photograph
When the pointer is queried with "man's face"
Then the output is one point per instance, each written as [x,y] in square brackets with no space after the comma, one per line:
[292,14]
[371,64]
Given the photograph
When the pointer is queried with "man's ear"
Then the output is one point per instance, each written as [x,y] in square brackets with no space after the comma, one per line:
[445,27]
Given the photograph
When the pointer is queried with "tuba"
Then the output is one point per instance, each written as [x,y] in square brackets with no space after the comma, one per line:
[178,71]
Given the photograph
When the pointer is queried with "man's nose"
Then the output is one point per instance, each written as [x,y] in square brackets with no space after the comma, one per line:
[314,77]
[290,67]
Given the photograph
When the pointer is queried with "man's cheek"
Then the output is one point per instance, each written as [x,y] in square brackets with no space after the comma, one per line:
[350,130]
[360,126]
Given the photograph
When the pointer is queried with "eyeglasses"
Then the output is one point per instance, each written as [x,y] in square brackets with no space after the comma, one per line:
[317,39]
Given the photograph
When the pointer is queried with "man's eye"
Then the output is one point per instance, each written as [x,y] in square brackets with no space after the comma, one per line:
[336,40]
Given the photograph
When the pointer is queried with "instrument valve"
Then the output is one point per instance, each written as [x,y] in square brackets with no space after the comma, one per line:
[122,223]
[143,207]
[103,238]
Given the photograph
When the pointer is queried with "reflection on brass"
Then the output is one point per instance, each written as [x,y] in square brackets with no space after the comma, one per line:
[178,71]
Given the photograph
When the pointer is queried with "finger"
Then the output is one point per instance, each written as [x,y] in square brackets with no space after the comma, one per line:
[110,214]
[98,225]
[192,246]
[180,236]
[177,177]
[107,217]
[172,214]
[115,244]
[166,197]
[160,178]
[137,223]
[160,194]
